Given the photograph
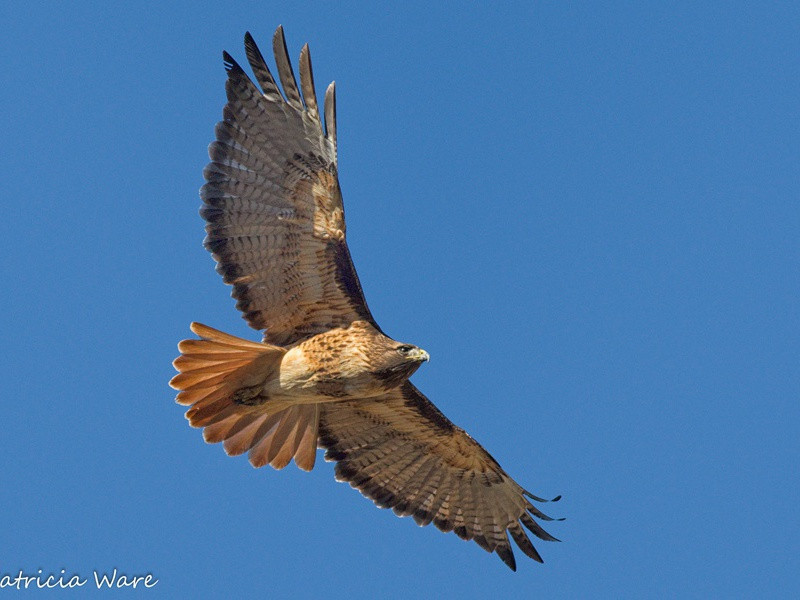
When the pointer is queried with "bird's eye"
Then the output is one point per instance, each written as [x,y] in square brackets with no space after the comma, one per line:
[404,349]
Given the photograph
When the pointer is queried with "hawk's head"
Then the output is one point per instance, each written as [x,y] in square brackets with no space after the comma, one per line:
[398,362]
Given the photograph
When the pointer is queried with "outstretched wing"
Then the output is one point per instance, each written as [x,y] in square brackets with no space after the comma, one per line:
[403,453]
[273,205]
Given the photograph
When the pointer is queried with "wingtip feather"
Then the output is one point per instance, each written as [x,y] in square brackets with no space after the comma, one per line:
[230,63]
[285,72]
[307,82]
[507,556]
[330,112]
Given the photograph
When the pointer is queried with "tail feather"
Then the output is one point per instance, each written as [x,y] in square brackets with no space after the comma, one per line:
[210,351]
[220,428]
[269,447]
[307,445]
[292,446]
[281,435]
[202,367]
[212,370]
[205,413]
[284,455]
[209,333]
[201,381]
[263,439]
[293,433]
[242,437]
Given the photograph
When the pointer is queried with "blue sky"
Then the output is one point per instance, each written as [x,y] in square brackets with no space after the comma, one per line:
[587,215]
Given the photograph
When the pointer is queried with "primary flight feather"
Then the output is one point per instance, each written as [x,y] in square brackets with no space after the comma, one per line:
[325,374]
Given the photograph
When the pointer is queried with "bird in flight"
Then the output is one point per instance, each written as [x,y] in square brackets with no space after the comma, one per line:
[325,374]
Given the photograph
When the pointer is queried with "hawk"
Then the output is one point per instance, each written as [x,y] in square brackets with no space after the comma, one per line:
[325,375]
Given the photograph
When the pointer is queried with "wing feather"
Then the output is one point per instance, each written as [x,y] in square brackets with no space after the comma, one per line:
[307,83]
[330,114]
[261,70]
[274,212]
[285,71]
[423,515]
[400,451]
[417,488]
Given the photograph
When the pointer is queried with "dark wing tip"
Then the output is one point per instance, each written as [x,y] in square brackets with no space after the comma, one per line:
[285,71]
[227,60]
[524,543]
[231,66]
[536,529]
[507,556]
[260,69]
[539,499]
[307,83]
[249,41]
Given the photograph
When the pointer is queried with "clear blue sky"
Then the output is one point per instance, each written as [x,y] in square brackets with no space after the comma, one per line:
[590,217]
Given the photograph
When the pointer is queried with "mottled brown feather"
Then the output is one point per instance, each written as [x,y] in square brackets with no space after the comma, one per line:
[273,204]
[401,452]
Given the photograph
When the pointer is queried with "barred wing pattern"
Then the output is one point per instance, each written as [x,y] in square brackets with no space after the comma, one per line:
[403,453]
[277,231]
[273,204]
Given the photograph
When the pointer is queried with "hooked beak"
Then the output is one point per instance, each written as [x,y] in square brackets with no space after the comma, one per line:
[419,354]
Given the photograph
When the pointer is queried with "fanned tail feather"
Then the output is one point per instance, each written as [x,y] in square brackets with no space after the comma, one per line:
[217,368]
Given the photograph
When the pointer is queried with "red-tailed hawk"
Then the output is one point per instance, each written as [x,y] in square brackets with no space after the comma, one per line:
[325,374]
